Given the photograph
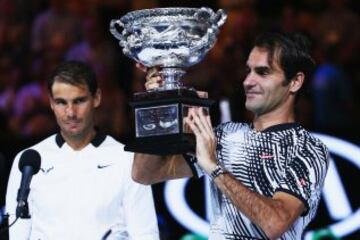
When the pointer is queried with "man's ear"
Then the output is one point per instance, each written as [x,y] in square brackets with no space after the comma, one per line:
[297,82]
[51,101]
[97,99]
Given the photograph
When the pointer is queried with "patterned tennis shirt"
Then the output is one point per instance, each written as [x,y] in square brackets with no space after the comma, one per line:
[284,158]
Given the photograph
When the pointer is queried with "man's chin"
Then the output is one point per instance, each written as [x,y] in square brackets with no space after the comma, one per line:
[253,108]
[72,133]
[250,106]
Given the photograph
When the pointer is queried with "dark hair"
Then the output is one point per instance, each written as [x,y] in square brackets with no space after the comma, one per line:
[291,50]
[74,73]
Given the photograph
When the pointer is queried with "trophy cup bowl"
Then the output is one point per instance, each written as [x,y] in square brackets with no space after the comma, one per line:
[172,39]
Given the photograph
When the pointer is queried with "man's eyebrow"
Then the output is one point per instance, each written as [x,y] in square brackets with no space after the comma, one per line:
[262,68]
[59,99]
[258,67]
[81,98]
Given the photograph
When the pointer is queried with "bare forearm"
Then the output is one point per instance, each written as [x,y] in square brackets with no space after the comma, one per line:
[267,213]
[149,169]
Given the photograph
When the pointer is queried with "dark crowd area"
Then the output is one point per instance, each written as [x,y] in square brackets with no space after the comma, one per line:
[36,35]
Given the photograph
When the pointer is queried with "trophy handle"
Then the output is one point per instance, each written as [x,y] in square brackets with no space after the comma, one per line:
[217,20]
[114,31]
[120,36]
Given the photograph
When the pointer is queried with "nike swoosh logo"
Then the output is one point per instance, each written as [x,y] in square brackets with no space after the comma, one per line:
[103,166]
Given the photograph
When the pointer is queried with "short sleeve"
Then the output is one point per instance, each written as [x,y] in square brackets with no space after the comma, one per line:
[305,175]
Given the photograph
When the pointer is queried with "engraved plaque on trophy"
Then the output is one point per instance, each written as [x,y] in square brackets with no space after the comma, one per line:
[172,39]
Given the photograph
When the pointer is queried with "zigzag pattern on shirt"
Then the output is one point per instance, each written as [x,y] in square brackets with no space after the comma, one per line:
[289,160]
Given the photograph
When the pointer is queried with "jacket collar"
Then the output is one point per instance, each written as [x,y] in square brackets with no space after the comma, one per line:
[96,141]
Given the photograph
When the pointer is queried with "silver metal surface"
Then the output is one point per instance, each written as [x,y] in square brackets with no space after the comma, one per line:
[171,38]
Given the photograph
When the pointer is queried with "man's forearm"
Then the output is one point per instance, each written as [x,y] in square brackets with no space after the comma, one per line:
[267,213]
[145,168]
[149,169]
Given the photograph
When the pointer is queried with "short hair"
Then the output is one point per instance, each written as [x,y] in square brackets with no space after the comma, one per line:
[290,50]
[74,73]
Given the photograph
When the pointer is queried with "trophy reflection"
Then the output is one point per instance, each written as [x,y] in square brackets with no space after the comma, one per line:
[172,39]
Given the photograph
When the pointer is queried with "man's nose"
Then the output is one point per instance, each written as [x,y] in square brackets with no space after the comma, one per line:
[249,80]
[71,110]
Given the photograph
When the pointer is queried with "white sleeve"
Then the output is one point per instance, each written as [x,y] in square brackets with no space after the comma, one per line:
[21,229]
[139,208]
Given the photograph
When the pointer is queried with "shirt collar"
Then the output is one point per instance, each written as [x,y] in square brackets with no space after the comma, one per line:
[278,127]
[96,141]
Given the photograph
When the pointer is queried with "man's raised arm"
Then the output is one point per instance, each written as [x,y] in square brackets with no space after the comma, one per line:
[150,169]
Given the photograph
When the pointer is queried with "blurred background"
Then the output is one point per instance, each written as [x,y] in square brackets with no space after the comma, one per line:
[36,35]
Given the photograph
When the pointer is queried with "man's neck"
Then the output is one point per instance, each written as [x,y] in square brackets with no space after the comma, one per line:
[79,142]
[278,116]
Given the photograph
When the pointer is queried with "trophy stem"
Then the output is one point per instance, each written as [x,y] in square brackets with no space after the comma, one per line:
[172,78]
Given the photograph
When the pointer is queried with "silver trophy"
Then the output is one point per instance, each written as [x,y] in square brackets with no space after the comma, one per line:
[172,39]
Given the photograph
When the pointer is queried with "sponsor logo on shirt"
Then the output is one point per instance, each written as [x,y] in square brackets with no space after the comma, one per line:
[46,171]
[103,166]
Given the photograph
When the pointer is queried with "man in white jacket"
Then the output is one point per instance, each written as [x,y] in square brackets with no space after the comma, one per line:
[84,188]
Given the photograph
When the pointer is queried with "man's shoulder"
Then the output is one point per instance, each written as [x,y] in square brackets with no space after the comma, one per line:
[47,143]
[310,144]
[233,127]
[112,145]
[310,138]
[110,141]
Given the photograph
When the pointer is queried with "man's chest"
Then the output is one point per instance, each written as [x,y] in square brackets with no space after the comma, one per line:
[82,187]
[259,162]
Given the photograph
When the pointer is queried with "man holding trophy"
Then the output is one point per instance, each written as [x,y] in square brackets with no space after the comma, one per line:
[266,176]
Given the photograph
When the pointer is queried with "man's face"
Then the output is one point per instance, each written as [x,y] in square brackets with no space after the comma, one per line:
[74,108]
[264,85]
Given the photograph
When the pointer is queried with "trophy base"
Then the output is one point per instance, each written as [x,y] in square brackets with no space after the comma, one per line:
[160,121]
[163,145]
